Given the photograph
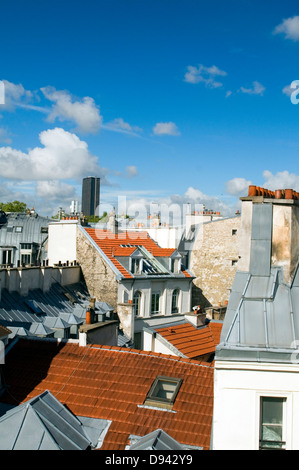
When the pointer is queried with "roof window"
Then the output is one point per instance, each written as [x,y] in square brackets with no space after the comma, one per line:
[163,392]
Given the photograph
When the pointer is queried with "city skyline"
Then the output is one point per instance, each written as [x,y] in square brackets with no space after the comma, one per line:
[167,102]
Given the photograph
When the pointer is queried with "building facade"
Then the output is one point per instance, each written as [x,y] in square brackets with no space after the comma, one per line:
[256,388]
[90,195]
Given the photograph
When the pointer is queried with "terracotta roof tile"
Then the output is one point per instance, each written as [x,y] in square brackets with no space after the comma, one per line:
[116,390]
[114,245]
[192,341]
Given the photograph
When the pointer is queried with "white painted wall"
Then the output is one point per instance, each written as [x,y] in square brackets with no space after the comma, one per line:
[62,241]
[238,388]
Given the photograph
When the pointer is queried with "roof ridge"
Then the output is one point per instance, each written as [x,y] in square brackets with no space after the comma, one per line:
[151,354]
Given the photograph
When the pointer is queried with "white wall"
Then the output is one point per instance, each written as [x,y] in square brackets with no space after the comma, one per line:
[62,241]
[238,388]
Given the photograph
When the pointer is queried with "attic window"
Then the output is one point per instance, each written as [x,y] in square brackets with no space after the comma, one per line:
[19,229]
[163,392]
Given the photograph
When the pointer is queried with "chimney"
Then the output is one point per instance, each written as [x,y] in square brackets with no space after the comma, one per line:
[269,231]
[113,224]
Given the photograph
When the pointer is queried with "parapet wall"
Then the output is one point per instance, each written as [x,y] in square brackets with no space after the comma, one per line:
[21,280]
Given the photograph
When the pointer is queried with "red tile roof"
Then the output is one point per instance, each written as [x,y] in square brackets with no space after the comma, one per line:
[191,341]
[110,382]
[111,243]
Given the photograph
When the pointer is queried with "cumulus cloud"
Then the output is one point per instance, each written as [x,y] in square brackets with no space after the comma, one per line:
[63,156]
[55,190]
[238,186]
[166,128]
[85,113]
[289,27]
[206,75]
[195,196]
[281,180]
[257,89]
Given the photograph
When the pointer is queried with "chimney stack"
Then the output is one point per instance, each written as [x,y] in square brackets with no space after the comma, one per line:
[269,231]
[113,224]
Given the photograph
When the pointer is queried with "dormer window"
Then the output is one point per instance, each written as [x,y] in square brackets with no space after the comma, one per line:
[136,266]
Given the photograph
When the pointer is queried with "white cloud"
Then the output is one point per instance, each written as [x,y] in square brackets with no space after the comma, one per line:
[119,125]
[195,196]
[14,95]
[166,128]
[63,156]
[55,190]
[257,89]
[281,180]
[206,75]
[131,171]
[238,186]
[85,113]
[289,27]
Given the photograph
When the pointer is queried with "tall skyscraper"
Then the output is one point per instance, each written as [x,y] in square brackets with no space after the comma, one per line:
[90,195]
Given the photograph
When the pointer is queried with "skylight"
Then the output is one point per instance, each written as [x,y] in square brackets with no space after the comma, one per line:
[163,392]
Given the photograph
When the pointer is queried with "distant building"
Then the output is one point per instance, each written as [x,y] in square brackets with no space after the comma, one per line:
[74,207]
[23,238]
[90,195]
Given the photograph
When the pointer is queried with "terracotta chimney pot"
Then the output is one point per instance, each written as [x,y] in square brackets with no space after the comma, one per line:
[288,194]
[252,190]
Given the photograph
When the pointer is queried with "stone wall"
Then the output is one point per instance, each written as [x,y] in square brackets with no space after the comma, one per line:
[99,277]
[214,261]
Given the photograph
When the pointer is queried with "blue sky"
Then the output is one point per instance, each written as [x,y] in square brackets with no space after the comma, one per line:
[167,101]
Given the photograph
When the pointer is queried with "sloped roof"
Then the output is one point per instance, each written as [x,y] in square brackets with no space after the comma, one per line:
[31,229]
[156,440]
[261,317]
[191,341]
[42,423]
[124,244]
[112,383]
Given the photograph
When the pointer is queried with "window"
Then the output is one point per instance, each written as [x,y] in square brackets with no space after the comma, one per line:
[163,392]
[272,423]
[7,257]
[234,262]
[234,231]
[26,246]
[175,301]
[25,259]
[44,230]
[19,229]
[137,303]
[136,266]
[155,303]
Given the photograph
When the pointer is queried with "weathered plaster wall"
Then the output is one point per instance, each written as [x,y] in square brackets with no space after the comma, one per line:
[212,261]
[285,239]
[99,277]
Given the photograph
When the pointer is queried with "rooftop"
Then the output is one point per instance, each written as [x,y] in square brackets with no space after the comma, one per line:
[125,243]
[191,341]
[112,383]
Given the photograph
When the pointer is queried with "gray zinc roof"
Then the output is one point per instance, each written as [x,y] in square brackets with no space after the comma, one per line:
[262,318]
[43,423]
[31,231]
